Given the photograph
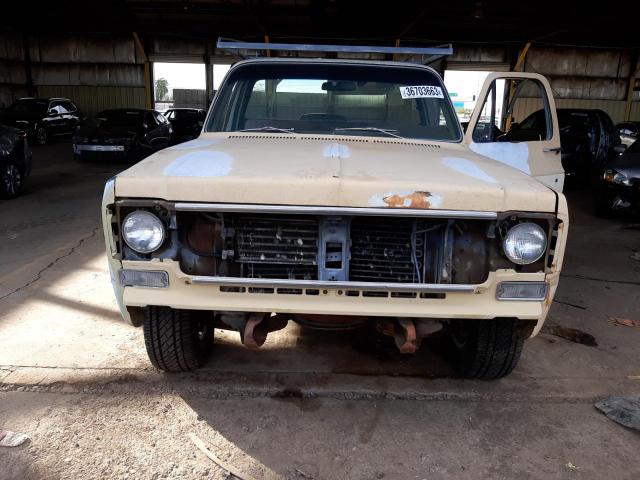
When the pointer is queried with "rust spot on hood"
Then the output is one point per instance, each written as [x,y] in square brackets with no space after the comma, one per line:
[416,199]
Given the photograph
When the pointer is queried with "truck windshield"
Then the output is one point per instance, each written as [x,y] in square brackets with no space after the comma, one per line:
[333,99]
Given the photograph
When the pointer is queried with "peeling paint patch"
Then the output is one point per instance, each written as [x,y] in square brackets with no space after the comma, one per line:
[468,168]
[209,163]
[336,150]
[196,143]
[515,155]
[418,199]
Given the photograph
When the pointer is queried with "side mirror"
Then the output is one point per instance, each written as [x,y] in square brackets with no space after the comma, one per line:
[145,125]
[620,148]
[515,126]
[53,112]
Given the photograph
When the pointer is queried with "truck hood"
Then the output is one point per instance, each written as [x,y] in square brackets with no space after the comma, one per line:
[345,171]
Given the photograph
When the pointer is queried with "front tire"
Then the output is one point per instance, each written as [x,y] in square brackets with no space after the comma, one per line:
[485,349]
[11,180]
[177,340]
[41,136]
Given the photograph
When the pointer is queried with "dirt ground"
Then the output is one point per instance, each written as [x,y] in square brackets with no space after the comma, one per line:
[308,405]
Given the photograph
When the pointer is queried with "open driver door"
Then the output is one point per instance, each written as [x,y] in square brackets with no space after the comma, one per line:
[515,122]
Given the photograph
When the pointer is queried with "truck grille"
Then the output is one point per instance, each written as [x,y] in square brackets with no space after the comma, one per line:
[274,247]
[273,240]
[374,249]
[381,250]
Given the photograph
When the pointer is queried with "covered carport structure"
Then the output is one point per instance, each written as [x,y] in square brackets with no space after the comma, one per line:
[77,382]
[100,54]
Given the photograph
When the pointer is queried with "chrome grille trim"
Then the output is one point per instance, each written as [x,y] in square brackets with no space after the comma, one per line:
[316,284]
[318,210]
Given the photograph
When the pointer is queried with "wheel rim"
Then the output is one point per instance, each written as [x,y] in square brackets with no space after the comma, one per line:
[12,179]
[41,135]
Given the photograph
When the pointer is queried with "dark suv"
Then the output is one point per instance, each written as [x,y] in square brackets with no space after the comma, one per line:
[42,118]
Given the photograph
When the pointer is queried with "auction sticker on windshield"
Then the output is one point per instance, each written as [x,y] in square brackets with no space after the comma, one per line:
[421,91]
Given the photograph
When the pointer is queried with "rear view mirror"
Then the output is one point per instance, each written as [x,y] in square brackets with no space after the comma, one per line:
[620,148]
[339,86]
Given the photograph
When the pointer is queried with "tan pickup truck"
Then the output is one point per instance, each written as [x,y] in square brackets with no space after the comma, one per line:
[344,194]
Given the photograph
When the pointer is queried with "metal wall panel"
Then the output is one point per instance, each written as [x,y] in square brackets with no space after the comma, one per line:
[8,93]
[469,54]
[12,72]
[92,49]
[589,88]
[11,46]
[92,99]
[172,49]
[574,62]
[88,74]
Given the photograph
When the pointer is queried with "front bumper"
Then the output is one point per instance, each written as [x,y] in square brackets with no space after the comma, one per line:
[457,301]
[477,301]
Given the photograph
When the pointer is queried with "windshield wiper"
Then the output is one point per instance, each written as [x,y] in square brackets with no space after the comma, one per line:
[391,133]
[267,129]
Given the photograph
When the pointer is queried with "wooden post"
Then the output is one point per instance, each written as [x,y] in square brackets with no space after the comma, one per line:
[632,85]
[266,40]
[148,80]
[517,68]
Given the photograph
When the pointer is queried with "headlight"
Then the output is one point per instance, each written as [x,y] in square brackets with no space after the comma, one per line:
[143,231]
[611,176]
[525,243]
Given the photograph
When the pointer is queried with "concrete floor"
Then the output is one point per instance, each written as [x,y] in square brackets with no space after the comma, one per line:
[308,405]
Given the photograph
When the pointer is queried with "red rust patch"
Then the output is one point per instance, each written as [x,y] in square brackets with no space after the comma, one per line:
[416,199]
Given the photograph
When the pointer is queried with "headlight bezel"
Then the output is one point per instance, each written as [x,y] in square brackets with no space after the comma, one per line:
[515,229]
[154,218]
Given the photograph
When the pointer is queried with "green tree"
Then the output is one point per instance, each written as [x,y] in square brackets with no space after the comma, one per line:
[162,88]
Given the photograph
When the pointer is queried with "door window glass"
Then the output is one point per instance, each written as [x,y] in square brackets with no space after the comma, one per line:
[506,112]
[58,107]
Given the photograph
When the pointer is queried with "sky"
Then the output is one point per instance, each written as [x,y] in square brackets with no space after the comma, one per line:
[191,75]
[188,75]
[463,84]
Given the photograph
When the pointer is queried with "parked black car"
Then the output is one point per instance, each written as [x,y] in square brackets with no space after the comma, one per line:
[131,133]
[42,118]
[588,139]
[619,186]
[15,161]
[629,132]
[186,123]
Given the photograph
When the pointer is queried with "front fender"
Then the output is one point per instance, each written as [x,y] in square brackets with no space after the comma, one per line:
[115,265]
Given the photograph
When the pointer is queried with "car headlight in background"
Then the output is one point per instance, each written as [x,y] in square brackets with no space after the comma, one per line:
[611,176]
[143,231]
[525,243]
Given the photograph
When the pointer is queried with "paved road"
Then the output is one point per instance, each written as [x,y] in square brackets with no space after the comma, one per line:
[308,405]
